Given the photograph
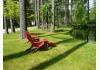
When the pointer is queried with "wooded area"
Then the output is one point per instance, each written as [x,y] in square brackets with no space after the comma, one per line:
[48,14]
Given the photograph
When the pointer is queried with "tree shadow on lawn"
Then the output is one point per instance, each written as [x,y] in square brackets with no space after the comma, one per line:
[54,60]
[61,30]
[15,55]
[65,41]
[20,54]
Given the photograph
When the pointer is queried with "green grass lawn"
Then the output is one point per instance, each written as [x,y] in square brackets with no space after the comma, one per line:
[69,54]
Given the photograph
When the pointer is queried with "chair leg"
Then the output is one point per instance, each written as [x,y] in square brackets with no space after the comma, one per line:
[29,48]
[34,50]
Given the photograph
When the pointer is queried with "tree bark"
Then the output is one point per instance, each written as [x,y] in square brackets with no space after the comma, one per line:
[22,18]
[38,14]
[59,21]
[12,25]
[88,11]
[35,12]
[66,9]
[26,24]
[42,20]
[6,26]
[70,10]
[65,17]
[47,21]
[53,16]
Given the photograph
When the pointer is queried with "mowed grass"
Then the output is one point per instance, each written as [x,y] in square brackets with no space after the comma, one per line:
[69,54]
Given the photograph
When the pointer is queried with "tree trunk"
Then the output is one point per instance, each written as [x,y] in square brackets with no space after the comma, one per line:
[42,20]
[47,21]
[12,25]
[53,16]
[26,24]
[67,13]
[70,10]
[65,17]
[66,9]
[38,14]
[41,2]
[88,11]
[33,7]
[59,21]
[22,18]
[35,12]
[58,18]
[6,26]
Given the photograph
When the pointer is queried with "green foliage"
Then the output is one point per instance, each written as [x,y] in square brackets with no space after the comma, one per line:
[44,9]
[59,15]
[79,13]
[30,15]
[29,11]
[16,12]
[93,13]
[5,11]
[11,9]
[58,7]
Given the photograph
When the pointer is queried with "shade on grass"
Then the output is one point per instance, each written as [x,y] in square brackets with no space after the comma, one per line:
[69,54]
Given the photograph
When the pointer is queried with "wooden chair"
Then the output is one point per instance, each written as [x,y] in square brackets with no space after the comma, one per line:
[36,43]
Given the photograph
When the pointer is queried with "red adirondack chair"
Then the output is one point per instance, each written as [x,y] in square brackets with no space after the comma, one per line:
[36,43]
[31,38]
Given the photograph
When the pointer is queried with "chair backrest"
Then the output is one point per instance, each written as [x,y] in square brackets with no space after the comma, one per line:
[28,36]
